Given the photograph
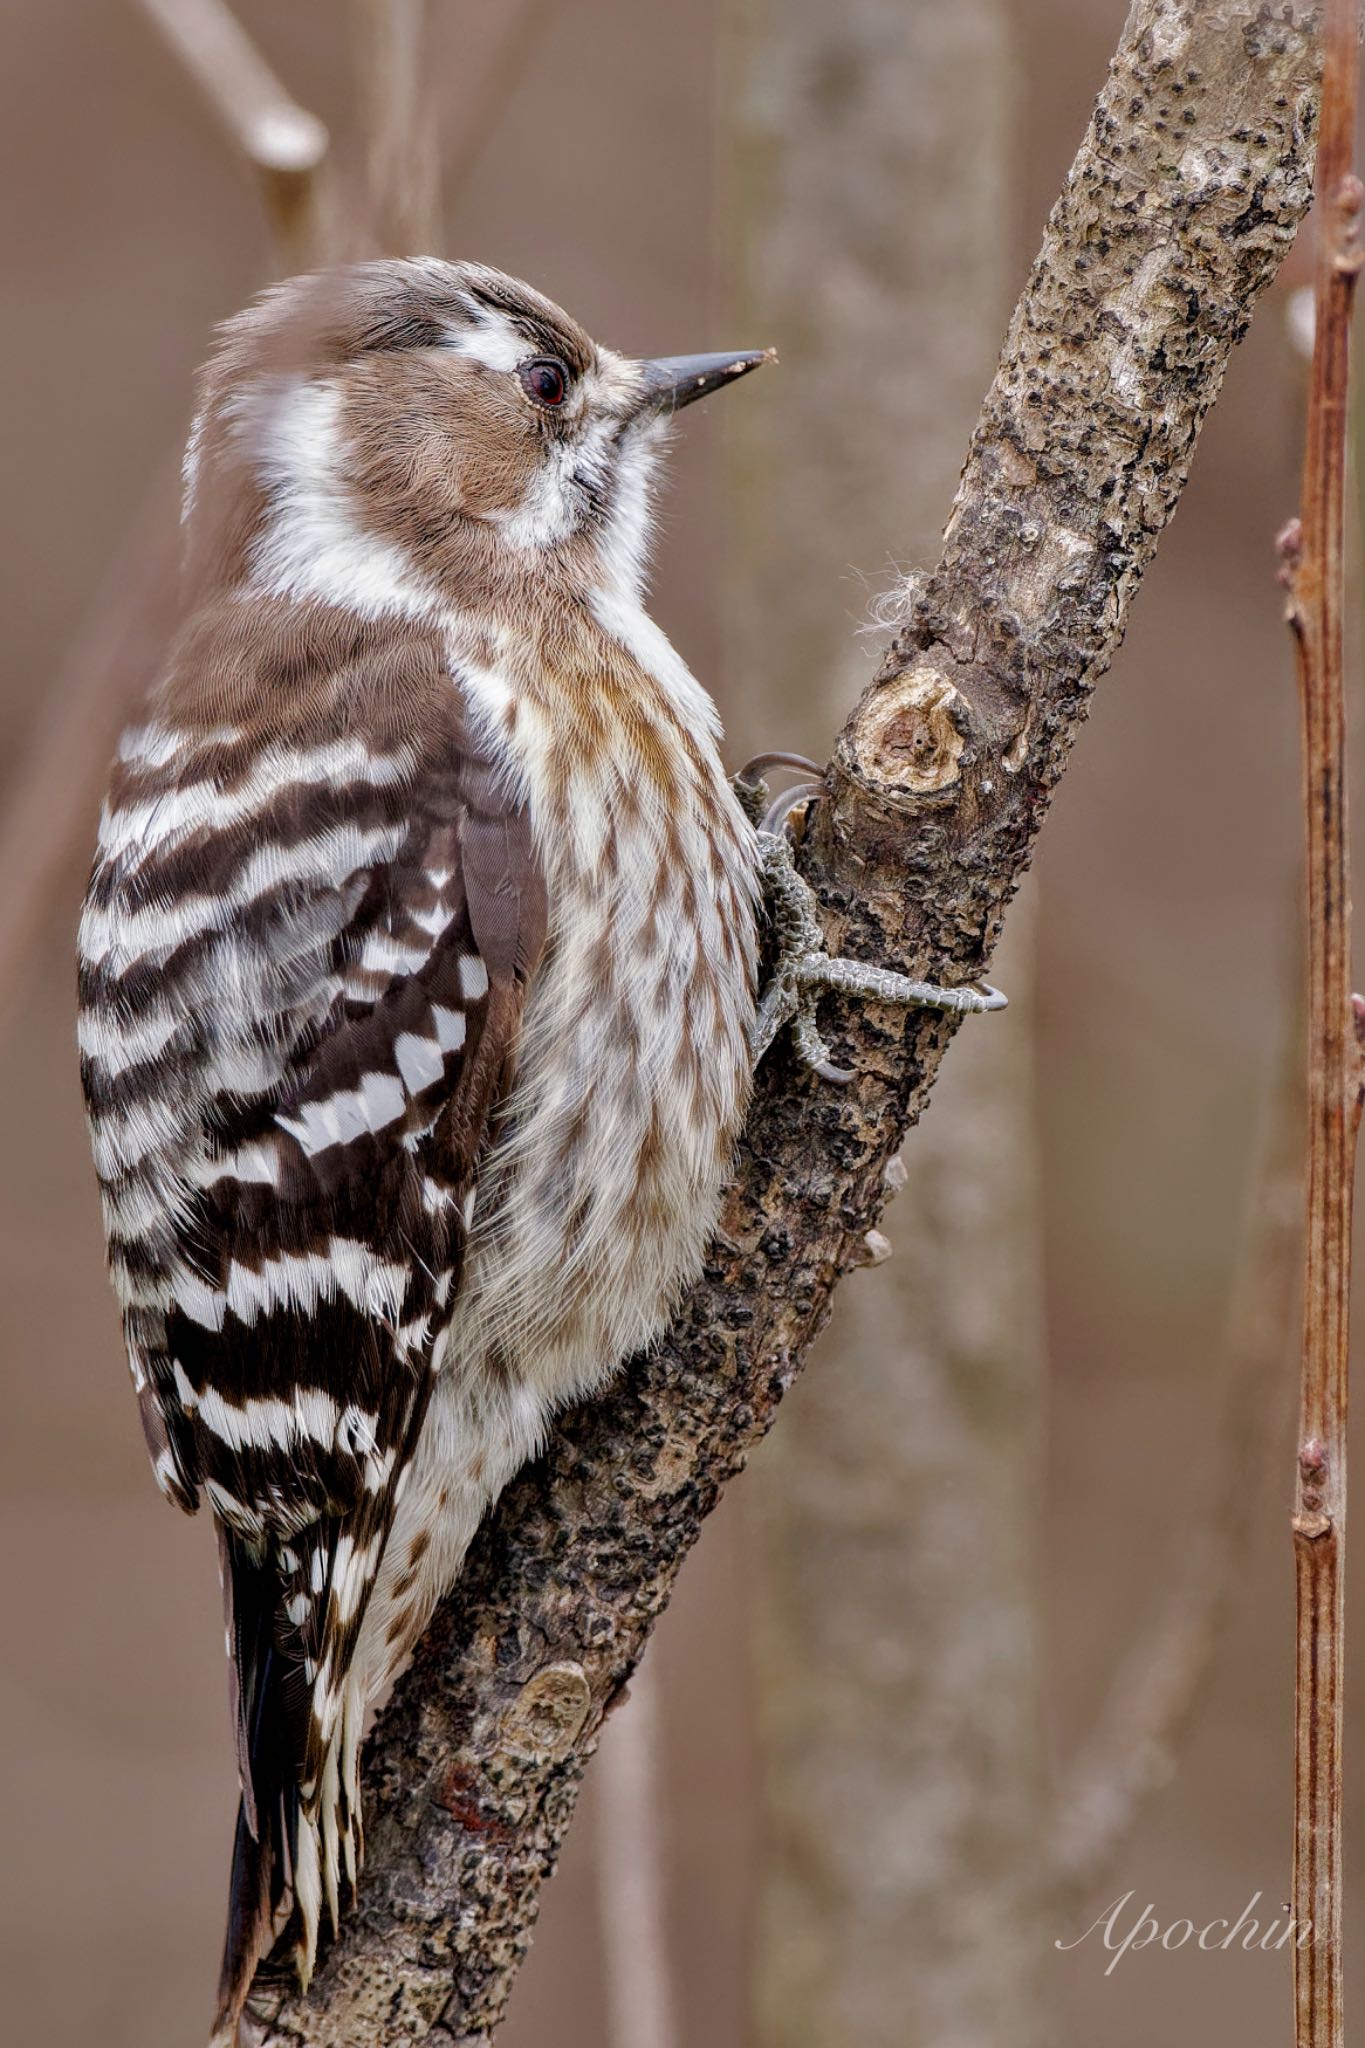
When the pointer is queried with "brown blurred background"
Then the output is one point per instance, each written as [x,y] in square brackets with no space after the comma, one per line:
[129,228]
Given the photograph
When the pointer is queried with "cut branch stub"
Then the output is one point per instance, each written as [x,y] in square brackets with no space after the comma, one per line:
[547,1716]
[913,736]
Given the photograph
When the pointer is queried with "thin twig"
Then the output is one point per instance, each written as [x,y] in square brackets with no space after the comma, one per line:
[1131,1752]
[1314,548]
[285,143]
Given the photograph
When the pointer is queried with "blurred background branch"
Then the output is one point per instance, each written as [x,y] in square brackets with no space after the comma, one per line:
[897,1668]
[632,1804]
[285,144]
[397,95]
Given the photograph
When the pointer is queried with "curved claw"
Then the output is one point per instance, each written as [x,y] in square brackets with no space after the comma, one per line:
[813,1052]
[775,817]
[991,998]
[827,1071]
[756,771]
[751,787]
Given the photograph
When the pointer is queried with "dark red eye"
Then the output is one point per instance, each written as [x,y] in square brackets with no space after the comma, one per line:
[545,380]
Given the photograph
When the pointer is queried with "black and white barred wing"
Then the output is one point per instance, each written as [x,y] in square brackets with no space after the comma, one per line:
[302,974]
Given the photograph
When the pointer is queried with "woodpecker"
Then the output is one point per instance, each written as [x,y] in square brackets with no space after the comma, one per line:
[417,985]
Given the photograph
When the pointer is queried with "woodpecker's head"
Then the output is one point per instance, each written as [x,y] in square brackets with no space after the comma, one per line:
[370,433]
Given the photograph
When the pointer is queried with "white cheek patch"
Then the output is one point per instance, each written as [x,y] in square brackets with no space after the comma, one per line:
[310,547]
[550,510]
[629,529]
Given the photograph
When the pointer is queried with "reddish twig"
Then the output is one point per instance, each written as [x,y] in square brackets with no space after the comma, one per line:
[1315,554]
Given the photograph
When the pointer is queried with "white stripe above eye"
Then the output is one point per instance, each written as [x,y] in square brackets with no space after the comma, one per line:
[490,339]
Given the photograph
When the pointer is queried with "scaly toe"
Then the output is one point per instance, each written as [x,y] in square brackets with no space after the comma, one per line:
[804,969]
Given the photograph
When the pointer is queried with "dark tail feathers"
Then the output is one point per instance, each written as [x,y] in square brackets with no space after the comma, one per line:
[265,1849]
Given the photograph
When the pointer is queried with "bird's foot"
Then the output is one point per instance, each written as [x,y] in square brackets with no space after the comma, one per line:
[804,969]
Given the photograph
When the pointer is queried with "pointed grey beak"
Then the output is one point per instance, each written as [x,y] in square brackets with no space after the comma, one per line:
[675,381]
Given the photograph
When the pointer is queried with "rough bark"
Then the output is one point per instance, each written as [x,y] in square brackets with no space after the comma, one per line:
[896,1672]
[1176,213]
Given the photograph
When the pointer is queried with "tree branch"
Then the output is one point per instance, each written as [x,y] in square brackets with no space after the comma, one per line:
[1176,213]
